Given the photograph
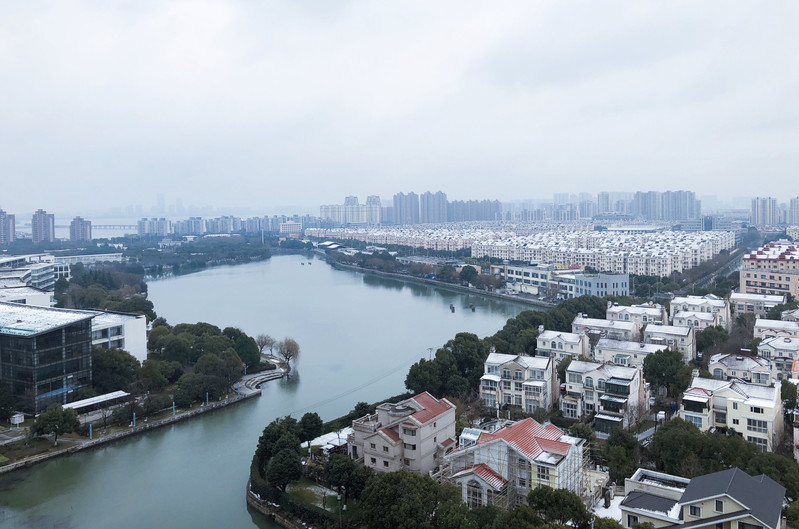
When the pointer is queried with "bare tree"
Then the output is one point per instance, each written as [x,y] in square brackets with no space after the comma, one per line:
[263,341]
[288,349]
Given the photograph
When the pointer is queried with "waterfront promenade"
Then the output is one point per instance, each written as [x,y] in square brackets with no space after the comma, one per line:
[249,387]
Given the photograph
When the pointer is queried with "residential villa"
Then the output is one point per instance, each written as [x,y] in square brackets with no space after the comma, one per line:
[709,304]
[782,352]
[526,381]
[631,354]
[613,329]
[412,435]
[776,328]
[754,369]
[641,315]
[676,338]
[758,304]
[559,345]
[618,395]
[752,409]
[501,468]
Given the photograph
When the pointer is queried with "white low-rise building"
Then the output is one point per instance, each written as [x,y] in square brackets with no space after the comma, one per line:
[781,351]
[122,331]
[754,369]
[526,381]
[790,315]
[615,330]
[641,315]
[676,338]
[758,304]
[751,409]
[697,320]
[559,345]
[765,329]
[630,354]
[618,395]
[21,293]
[709,304]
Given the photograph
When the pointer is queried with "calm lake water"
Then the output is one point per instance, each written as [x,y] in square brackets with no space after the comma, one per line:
[358,335]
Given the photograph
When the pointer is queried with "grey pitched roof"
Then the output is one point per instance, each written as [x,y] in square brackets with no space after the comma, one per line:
[649,502]
[760,494]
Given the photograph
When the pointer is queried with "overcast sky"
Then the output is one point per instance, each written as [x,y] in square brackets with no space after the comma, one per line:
[259,104]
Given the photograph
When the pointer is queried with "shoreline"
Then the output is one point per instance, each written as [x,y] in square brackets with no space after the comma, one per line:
[252,384]
[432,282]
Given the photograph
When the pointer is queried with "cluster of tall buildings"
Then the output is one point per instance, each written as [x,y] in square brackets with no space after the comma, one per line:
[766,211]
[43,228]
[196,226]
[410,208]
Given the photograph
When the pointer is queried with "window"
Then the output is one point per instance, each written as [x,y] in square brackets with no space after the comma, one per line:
[600,384]
[517,386]
[589,382]
[542,473]
[517,375]
[695,511]
[756,409]
[719,506]
[474,494]
[385,464]
[735,405]
[570,410]
[735,421]
[506,373]
[385,449]
[754,425]
[696,421]
[372,446]
[762,444]
[409,446]
[522,482]
[631,520]
[575,378]
[589,395]
[372,460]
[409,431]
[506,385]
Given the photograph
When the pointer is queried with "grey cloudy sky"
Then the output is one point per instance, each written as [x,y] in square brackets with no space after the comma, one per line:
[266,103]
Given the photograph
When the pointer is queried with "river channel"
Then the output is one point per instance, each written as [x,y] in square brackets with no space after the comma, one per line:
[358,335]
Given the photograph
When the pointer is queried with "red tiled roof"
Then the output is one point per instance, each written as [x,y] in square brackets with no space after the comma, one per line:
[431,407]
[489,476]
[529,438]
[447,442]
[391,434]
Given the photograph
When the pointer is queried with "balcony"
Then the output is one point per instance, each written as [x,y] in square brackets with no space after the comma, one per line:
[366,424]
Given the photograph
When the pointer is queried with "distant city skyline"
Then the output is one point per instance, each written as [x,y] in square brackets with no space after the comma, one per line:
[257,105]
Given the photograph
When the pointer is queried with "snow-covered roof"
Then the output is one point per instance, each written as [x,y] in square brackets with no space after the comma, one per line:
[581,321]
[739,362]
[26,320]
[529,362]
[674,330]
[569,337]
[606,344]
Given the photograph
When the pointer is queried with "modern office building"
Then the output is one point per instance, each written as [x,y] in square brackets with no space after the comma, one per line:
[45,354]
[42,227]
[8,232]
[80,229]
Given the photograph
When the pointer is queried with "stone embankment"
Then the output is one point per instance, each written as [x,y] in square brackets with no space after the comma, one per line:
[272,512]
[519,298]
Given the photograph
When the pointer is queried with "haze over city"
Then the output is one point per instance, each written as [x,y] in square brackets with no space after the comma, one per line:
[238,105]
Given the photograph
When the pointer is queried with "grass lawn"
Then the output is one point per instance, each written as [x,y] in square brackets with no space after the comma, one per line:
[307,492]
[31,447]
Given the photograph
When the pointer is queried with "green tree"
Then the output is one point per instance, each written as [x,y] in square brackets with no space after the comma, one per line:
[792,514]
[448,274]
[468,274]
[661,367]
[113,369]
[55,420]
[559,506]
[310,427]
[561,368]
[788,394]
[263,341]
[607,523]
[710,336]
[151,376]
[269,437]
[284,468]
[402,500]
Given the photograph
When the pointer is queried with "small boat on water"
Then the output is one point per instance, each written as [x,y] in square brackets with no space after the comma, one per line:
[303,264]
[452,307]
